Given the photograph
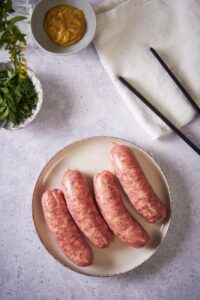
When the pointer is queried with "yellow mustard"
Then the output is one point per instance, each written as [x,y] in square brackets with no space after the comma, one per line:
[65,25]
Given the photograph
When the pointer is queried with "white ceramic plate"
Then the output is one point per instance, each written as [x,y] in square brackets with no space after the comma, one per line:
[90,156]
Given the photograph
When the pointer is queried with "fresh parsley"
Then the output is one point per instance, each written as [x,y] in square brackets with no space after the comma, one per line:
[18,97]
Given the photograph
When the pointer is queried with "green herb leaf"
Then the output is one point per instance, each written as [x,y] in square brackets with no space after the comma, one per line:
[16,19]
[2,109]
[18,97]
[4,114]
[12,117]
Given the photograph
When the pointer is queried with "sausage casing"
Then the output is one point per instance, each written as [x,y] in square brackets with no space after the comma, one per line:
[136,185]
[121,222]
[83,209]
[64,230]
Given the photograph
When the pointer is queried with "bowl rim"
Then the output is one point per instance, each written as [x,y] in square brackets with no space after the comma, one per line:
[73,51]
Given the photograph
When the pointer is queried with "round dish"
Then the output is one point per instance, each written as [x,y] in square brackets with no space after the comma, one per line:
[42,38]
[91,156]
[38,88]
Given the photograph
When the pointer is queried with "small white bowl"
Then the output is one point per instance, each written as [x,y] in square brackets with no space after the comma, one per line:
[42,38]
[38,88]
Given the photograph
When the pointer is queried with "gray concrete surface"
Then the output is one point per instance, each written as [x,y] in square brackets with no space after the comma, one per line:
[80,101]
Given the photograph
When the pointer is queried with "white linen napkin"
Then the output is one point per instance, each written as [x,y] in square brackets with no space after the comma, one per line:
[125,31]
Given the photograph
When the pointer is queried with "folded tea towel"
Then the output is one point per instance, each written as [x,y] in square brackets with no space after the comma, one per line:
[126,30]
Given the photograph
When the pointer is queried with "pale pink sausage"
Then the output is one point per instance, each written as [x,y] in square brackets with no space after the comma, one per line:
[64,230]
[83,209]
[136,185]
[121,222]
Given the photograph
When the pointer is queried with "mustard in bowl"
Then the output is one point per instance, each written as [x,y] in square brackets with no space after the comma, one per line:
[63,27]
[65,24]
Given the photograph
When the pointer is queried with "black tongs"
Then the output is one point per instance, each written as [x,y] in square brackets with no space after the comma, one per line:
[157,112]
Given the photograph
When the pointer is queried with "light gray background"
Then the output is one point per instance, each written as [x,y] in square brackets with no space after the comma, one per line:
[80,101]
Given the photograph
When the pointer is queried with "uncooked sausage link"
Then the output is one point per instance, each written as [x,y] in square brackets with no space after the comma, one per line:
[121,222]
[136,185]
[64,230]
[83,209]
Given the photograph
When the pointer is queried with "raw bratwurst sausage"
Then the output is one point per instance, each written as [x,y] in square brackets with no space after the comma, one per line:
[64,230]
[136,185]
[83,209]
[124,226]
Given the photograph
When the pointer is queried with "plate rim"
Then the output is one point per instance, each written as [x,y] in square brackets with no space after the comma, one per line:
[144,152]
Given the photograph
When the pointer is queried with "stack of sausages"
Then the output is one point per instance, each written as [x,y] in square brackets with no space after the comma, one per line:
[72,212]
